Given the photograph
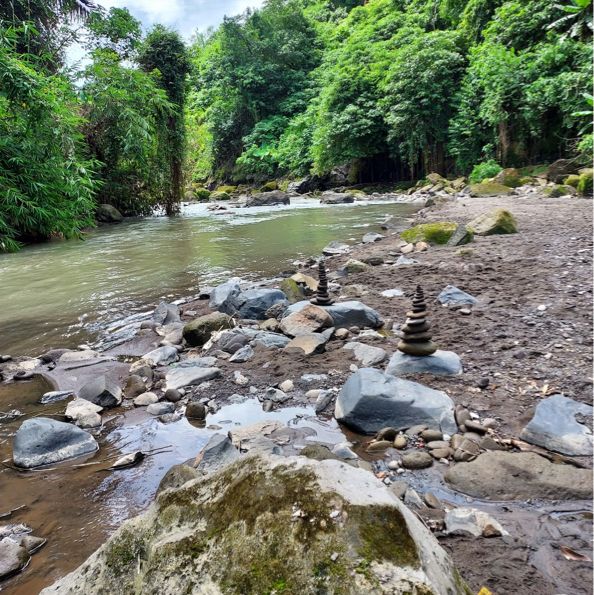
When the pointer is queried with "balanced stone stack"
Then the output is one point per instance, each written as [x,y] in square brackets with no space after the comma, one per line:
[416,339]
[322,298]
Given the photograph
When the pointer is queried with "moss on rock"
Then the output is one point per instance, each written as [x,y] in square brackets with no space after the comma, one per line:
[269,186]
[499,221]
[572,180]
[218,195]
[202,194]
[486,188]
[584,186]
[227,188]
[292,290]
[558,190]
[509,177]
[434,233]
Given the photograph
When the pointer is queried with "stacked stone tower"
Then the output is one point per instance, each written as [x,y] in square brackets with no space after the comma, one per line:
[322,297]
[416,339]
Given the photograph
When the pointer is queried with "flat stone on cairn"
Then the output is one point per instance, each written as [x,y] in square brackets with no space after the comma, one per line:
[417,354]
[322,297]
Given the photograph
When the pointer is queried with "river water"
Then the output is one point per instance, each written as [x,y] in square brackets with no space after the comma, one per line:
[61,294]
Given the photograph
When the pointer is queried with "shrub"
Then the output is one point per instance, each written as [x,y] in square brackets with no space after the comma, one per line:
[481,171]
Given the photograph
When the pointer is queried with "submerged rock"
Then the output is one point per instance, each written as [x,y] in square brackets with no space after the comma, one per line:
[371,400]
[268,521]
[554,426]
[41,441]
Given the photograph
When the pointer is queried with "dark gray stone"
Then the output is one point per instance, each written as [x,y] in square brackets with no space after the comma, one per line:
[460,236]
[166,313]
[242,355]
[440,363]
[554,426]
[42,441]
[232,341]
[371,400]
[261,199]
[253,303]
[345,314]
[218,452]
[102,391]
[222,296]
[336,198]
[108,214]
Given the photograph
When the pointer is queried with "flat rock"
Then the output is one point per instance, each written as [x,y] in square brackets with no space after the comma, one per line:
[309,344]
[102,391]
[270,340]
[336,248]
[145,399]
[417,460]
[336,198]
[498,475]
[392,293]
[308,320]
[41,441]
[554,426]
[242,355]
[452,296]
[13,557]
[161,356]
[366,355]
[189,376]
[345,314]
[371,400]
[371,237]
[166,313]
[84,413]
[471,521]
[440,363]
[218,452]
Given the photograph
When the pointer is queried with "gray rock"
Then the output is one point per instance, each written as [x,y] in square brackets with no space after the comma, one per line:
[145,399]
[41,441]
[366,355]
[498,475]
[189,376]
[270,340]
[208,361]
[161,408]
[253,303]
[54,396]
[336,198]
[323,400]
[345,314]
[177,476]
[102,391]
[135,385]
[343,451]
[418,459]
[554,426]
[309,319]
[336,248]
[405,261]
[452,296]
[371,237]
[262,199]
[309,343]
[274,395]
[232,341]
[391,293]
[166,313]
[161,356]
[242,355]
[371,400]
[270,501]
[108,214]
[440,363]
[196,410]
[172,395]
[469,521]
[221,297]
[13,557]
[460,236]
[218,452]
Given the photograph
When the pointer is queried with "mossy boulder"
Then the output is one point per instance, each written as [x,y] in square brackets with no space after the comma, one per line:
[572,180]
[435,178]
[584,186]
[560,169]
[108,214]
[198,331]
[202,194]
[292,290]
[498,221]
[228,189]
[558,190]
[509,177]
[219,195]
[268,524]
[269,186]
[489,188]
[433,233]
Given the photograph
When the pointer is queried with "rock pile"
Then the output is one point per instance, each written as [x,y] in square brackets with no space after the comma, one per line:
[417,339]
[322,298]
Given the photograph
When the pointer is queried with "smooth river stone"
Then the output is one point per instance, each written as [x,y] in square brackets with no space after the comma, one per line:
[440,363]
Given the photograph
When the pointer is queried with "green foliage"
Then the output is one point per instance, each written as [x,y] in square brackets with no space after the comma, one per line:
[481,171]
[46,185]
[116,30]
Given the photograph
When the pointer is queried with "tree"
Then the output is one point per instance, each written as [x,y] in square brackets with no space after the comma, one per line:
[164,53]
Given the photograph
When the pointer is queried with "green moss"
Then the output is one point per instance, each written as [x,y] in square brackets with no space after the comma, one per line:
[572,180]
[558,190]
[498,221]
[218,195]
[508,177]
[124,551]
[283,185]
[292,290]
[269,186]
[489,189]
[584,186]
[434,233]
[534,170]
[228,189]
[202,194]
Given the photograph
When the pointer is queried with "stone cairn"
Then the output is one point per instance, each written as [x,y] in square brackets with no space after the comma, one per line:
[416,339]
[322,298]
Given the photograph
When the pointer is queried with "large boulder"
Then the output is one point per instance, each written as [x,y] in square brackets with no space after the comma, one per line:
[42,441]
[555,427]
[560,169]
[267,524]
[500,475]
[221,297]
[264,199]
[345,314]
[440,363]
[498,221]
[435,233]
[102,391]
[336,198]
[509,177]
[253,303]
[166,313]
[197,332]
[13,557]
[371,400]
[486,188]
[108,214]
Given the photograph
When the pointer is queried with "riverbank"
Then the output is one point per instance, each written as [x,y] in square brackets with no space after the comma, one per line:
[528,337]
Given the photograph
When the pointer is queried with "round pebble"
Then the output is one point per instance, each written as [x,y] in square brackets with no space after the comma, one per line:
[417,460]
[400,442]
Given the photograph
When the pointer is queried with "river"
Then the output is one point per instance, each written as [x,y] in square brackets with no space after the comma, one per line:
[61,294]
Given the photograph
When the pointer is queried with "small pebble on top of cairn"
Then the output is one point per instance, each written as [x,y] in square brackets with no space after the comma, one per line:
[322,298]
[416,339]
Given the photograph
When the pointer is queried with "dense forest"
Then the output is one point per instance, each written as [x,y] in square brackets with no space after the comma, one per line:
[388,90]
